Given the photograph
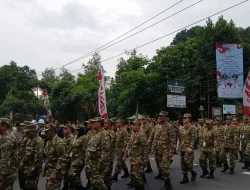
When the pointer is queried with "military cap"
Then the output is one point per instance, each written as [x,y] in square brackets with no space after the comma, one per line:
[97,119]
[109,121]
[218,119]
[119,120]
[137,121]
[245,117]
[201,120]
[78,127]
[229,117]
[209,121]
[163,113]
[67,126]
[49,126]
[224,76]
[29,128]
[87,121]
[235,76]
[5,120]
[187,115]
[234,119]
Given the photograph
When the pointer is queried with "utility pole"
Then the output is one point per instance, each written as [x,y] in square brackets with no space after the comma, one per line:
[208,98]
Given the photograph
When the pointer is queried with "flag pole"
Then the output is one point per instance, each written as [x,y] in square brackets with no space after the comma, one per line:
[137,108]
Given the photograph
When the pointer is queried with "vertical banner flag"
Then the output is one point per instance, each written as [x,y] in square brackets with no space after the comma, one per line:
[229,63]
[246,96]
[46,104]
[102,107]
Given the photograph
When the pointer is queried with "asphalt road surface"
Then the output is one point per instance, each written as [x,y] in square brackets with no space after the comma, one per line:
[222,181]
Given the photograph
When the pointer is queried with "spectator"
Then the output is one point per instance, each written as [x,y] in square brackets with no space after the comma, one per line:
[59,130]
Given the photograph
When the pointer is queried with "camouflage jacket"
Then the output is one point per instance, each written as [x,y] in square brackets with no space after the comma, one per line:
[22,147]
[98,151]
[231,136]
[187,137]
[78,151]
[90,134]
[55,155]
[245,134]
[165,139]
[32,159]
[8,154]
[152,137]
[112,135]
[68,141]
[139,148]
[208,143]
[219,135]
[147,130]
[121,139]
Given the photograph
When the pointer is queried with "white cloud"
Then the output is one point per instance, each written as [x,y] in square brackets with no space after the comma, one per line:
[45,33]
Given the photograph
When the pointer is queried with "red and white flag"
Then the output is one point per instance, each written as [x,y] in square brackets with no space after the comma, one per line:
[102,107]
[246,95]
[45,97]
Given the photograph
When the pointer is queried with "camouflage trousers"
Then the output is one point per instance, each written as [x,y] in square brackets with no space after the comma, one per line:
[207,156]
[97,180]
[53,184]
[31,182]
[243,150]
[164,165]
[21,178]
[107,176]
[218,155]
[75,176]
[120,163]
[187,161]
[157,158]
[232,156]
[136,171]
[8,181]
[247,153]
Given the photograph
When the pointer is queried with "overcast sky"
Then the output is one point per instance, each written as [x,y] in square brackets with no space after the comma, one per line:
[49,33]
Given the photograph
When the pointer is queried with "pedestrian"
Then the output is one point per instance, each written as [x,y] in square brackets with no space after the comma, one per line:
[186,145]
[54,166]
[31,161]
[138,147]
[59,129]
[208,148]
[8,155]
[219,130]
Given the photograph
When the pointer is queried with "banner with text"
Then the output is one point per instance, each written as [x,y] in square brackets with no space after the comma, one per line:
[176,101]
[176,87]
[229,63]
[229,109]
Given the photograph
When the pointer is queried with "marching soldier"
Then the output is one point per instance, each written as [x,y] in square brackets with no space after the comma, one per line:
[121,141]
[68,138]
[219,136]
[165,139]
[138,147]
[54,166]
[8,155]
[230,145]
[247,156]
[32,159]
[245,139]
[77,154]
[186,146]
[208,149]
[98,155]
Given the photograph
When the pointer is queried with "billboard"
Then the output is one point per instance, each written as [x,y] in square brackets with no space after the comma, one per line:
[229,109]
[176,101]
[176,87]
[229,63]
[216,112]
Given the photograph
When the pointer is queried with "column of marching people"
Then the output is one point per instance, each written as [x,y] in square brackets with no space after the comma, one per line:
[39,151]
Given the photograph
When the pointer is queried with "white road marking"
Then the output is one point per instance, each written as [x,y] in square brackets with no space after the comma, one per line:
[246,173]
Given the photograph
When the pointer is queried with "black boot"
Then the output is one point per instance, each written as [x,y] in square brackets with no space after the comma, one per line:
[241,156]
[225,168]
[131,184]
[144,177]
[185,179]
[126,174]
[171,161]
[218,162]
[65,186]
[204,172]
[246,164]
[167,185]
[115,177]
[193,175]
[149,169]
[108,187]
[231,171]
[211,174]
[159,176]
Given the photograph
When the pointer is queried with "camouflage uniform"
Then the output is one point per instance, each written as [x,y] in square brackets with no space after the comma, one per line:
[54,160]
[247,156]
[139,153]
[230,145]
[8,158]
[207,147]
[32,160]
[77,154]
[98,156]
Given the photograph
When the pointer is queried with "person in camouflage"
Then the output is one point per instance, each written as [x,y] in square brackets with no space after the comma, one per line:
[55,162]
[98,155]
[107,126]
[77,153]
[68,138]
[186,145]
[155,149]
[245,139]
[208,148]
[230,145]
[219,136]
[31,161]
[138,147]
[8,155]
[121,142]
[165,140]
[247,156]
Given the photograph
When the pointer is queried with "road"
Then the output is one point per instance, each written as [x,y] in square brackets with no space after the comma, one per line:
[222,181]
